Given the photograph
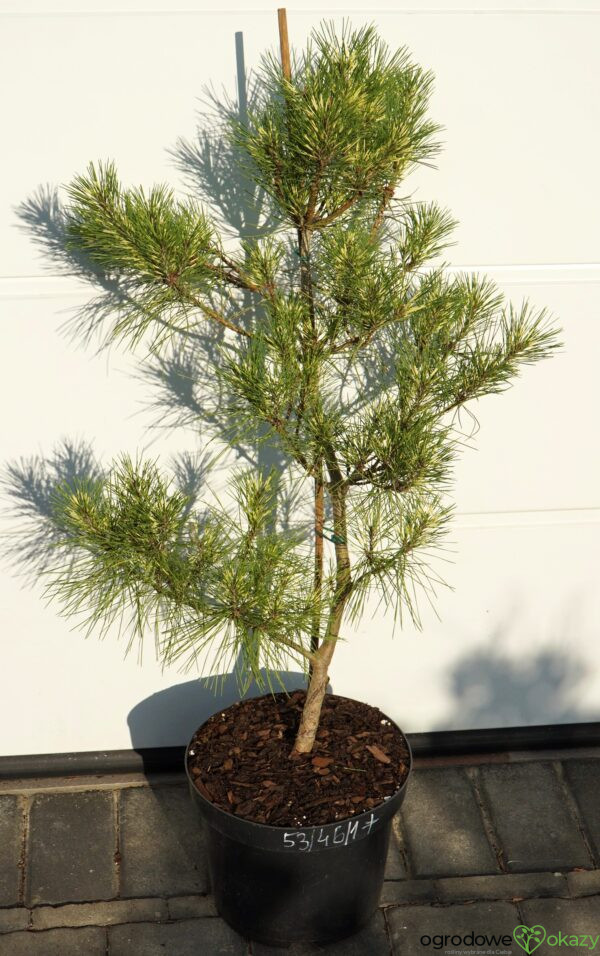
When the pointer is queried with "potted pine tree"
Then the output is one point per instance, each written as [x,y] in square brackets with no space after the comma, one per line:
[342,340]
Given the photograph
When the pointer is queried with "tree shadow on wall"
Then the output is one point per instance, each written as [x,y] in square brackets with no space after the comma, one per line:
[493,689]
[216,169]
[169,717]
[184,393]
[32,541]
[30,485]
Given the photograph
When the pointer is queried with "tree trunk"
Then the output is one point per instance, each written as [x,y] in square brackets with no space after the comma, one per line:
[319,505]
[311,713]
[315,695]
[304,244]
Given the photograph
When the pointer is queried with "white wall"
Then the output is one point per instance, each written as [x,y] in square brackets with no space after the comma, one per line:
[517,91]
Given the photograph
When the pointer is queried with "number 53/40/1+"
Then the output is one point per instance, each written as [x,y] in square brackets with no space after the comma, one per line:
[315,839]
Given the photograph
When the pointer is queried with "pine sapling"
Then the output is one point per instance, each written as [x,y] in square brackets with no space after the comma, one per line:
[341,338]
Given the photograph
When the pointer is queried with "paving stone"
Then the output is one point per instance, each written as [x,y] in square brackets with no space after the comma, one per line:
[408,924]
[584,883]
[584,779]
[90,941]
[534,824]
[371,941]
[71,848]
[187,938]
[408,891]
[569,917]
[99,914]
[506,886]
[191,907]
[443,826]
[13,919]
[162,843]
[394,866]
[11,838]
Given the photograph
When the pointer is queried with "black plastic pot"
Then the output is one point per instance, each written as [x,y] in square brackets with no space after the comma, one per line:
[280,885]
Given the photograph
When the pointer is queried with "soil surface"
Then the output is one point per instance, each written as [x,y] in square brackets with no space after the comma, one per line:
[241,760]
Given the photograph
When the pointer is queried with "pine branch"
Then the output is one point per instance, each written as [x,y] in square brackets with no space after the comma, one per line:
[486,367]
[345,122]
[137,548]
[165,249]
[394,535]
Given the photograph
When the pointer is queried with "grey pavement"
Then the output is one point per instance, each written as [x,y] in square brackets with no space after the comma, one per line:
[116,866]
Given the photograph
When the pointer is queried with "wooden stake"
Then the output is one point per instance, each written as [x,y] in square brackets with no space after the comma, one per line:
[284,43]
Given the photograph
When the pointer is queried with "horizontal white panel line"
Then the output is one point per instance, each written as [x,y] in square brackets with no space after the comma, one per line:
[511,519]
[531,266]
[544,273]
[41,277]
[347,10]
[543,268]
[65,285]
[46,286]
[526,511]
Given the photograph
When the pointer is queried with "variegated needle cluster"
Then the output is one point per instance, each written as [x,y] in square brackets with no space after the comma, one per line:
[341,338]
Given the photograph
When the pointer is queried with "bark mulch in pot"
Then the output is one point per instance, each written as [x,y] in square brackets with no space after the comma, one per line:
[240,761]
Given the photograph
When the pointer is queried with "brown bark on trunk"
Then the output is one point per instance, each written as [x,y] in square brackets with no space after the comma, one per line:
[311,713]
[309,722]
[315,695]
[318,578]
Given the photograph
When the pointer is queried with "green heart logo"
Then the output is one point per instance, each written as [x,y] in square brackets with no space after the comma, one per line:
[529,937]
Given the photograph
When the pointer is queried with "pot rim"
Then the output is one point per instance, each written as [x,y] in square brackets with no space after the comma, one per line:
[226,815]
